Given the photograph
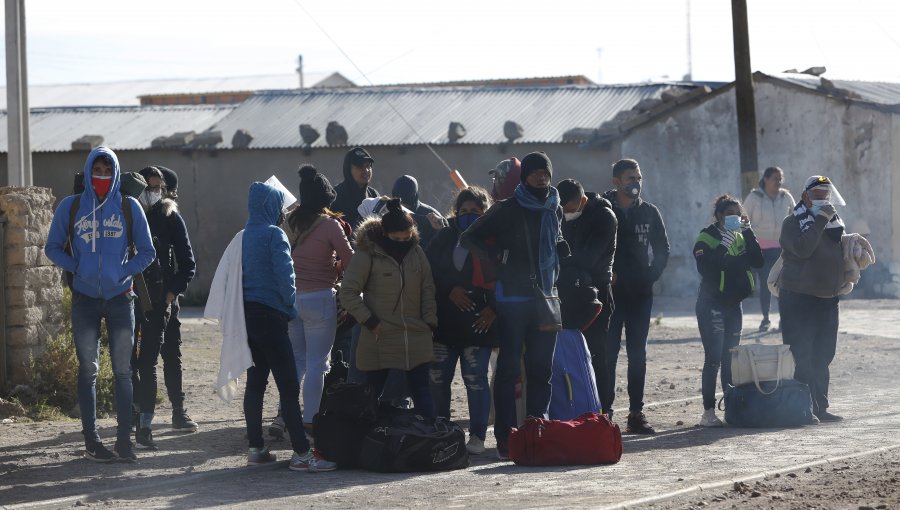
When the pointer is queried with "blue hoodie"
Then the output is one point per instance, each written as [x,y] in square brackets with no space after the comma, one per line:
[268,270]
[99,257]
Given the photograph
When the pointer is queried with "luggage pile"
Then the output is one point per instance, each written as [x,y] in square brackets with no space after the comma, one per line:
[763,392]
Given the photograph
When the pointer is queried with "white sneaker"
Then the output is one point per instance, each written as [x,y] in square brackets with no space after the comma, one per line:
[709,419]
[475,446]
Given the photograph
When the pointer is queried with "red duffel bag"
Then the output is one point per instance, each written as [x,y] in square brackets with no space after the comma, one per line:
[589,439]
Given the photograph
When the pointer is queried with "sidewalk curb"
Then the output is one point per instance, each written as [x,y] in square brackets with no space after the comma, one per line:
[642,502]
[173,481]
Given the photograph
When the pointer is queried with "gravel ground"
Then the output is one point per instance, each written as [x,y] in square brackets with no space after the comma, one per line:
[40,462]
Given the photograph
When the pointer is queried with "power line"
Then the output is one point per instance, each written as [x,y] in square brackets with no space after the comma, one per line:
[366,77]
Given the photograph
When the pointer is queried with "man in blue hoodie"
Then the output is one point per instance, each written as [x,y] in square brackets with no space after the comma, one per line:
[269,293]
[98,256]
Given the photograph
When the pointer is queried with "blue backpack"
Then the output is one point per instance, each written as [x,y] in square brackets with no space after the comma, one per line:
[574,386]
[785,403]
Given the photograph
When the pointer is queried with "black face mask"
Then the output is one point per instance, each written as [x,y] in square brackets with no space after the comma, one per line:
[399,245]
[539,193]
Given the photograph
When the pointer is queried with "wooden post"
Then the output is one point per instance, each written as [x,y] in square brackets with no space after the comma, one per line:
[746,110]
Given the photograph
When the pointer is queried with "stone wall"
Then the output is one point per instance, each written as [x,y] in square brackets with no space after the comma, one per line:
[33,287]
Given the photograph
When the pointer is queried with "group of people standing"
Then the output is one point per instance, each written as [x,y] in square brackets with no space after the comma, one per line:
[406,294]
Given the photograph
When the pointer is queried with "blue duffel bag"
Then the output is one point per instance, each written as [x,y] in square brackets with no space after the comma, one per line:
[785,403]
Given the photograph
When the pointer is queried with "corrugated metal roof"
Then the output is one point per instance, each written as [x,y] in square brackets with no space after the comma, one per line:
[126,93]
[273,117]
[880,93]
[122,128]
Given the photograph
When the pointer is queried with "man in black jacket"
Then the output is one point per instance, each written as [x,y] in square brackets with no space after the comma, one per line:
[171,347]
[523,235]
[642,251]
[164,284]
[590,231]
[358,165]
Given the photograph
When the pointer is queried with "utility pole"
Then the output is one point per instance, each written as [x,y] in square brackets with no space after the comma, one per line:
[746,110]
[690,59]
[18,170]
[300,69]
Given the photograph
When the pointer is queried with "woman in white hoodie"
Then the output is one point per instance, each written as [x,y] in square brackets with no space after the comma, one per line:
[767,207]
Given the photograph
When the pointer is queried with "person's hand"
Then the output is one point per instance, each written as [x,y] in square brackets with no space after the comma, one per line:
[460,297]
[377,331]
[745,222]
[436,220]
[485,320]
[827,211]
[170,298]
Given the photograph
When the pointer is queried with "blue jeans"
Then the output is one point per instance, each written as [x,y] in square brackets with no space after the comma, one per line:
[517,328]
[270,346]
[416,378]
[474,367]
[633,314]
[86,315]
[312,335]
[720,331]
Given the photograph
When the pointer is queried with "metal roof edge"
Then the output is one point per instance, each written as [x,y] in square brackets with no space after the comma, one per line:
[475,88]
[821,91]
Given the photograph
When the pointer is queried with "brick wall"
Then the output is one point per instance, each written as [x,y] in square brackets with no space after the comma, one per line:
[33,285]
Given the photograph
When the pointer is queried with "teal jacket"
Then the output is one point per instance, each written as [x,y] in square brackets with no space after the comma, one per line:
[726,273]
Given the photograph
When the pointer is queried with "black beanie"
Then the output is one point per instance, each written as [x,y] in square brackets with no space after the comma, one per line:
[396,219]
[316,193]
[535,161]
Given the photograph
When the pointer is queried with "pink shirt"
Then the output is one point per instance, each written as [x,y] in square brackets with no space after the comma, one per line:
[315,264]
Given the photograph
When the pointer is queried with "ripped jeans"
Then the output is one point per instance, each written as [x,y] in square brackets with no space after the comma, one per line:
[474,363]
[720,331]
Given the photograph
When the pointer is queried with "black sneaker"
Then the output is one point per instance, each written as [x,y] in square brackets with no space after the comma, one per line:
[181,422]
[825,417]
[637,424]
[502,451]
[95,451]
[764,325]
[144,440]
[125,451]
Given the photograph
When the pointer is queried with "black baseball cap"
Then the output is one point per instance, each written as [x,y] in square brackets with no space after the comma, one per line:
[359,156]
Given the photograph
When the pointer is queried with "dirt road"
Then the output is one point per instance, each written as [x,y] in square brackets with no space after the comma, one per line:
[682,466]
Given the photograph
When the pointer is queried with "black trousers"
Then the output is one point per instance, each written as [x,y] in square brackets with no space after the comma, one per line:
[150,330]
[597,337]
[171,357]
[809,325]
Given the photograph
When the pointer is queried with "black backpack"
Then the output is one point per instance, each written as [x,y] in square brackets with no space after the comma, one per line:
[412,443]
[346,413]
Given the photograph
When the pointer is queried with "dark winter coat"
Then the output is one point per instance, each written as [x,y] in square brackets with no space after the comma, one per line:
[174,266]
[454,325]
[725,273]
[592,241]
[350,195]
[642,247]
[509,250]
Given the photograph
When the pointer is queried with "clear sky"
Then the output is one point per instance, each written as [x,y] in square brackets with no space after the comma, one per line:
[400,41]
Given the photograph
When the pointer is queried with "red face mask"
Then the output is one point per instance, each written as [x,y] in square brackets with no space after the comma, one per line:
[101,185]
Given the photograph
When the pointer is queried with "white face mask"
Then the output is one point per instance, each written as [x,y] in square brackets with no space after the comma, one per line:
[149,198]
[572,216]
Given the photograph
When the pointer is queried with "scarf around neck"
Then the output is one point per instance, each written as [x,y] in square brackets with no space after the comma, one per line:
[548,259]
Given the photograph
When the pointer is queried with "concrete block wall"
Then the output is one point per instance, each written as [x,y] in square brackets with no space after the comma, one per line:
[32,284]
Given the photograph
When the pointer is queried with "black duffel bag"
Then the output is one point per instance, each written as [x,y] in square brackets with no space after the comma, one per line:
[410,443]
[339,439]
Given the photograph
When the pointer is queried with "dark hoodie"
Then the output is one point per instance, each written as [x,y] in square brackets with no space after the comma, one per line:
[641,231]
[726,273]
[268,270]
[99,259]
[174,266]
[592,241]
[406,188]
[350,195]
